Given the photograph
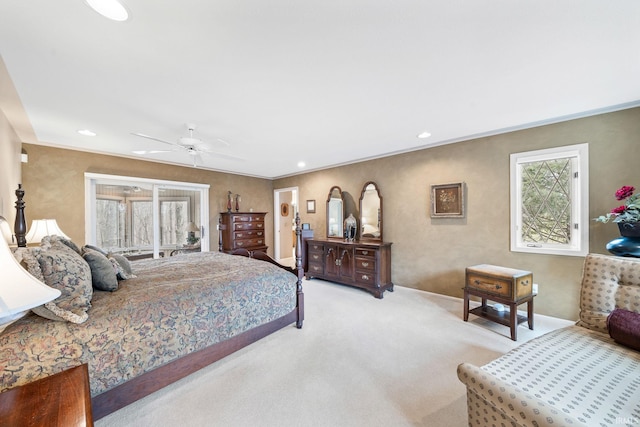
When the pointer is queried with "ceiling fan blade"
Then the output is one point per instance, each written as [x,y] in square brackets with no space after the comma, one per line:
[142,135]
[150,151]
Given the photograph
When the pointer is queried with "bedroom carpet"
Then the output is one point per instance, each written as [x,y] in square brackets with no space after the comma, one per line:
[357,361]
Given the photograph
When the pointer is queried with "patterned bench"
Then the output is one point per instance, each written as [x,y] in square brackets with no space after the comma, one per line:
[574,376]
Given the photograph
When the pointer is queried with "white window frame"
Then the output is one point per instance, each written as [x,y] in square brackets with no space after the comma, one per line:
[579,241]
[157,185]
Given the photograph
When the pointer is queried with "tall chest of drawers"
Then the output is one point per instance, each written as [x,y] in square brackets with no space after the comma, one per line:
[364,265]
[242,230]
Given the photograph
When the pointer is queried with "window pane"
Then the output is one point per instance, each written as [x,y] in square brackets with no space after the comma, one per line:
[174,219]
[110,223]
[142,224]
[549,201]
[546,201]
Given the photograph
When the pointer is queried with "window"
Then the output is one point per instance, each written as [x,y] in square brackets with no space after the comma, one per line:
[126,214]
[549,201]
[110,213]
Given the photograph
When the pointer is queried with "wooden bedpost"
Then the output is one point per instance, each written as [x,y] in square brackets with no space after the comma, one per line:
[20,226]
[220,233]
[300,272]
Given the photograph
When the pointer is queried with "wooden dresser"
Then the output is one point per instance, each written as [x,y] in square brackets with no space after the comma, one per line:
[364,265]
[242,230]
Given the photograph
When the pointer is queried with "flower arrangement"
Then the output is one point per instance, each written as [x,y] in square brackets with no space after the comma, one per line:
[628,212]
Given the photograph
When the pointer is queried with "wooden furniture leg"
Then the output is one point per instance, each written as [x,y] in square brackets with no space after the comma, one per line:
[465,317]
[513,320]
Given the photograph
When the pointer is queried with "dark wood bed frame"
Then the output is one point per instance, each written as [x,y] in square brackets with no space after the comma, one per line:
[149,382]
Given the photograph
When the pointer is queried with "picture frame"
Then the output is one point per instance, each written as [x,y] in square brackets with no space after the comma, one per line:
[284,209]
[447,200]
[311,206]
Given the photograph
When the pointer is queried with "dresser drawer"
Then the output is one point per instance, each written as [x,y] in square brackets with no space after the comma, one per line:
[248,218]
[248,234]
[365,263]
[315,247]
[247,243]
[315,267]
[251,225]
[366,278]
[315,256]
[500,281]
[364,252]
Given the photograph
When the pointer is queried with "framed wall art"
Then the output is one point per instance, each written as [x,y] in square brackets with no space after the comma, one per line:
[447,200]
[311,206]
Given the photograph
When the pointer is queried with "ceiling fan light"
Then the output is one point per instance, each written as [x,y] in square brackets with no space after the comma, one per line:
[111,9]
[187,140]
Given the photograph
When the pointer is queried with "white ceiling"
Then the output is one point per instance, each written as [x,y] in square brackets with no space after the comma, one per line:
[325,82]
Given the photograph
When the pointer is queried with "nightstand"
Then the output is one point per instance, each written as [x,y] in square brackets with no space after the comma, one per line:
[60,400]
[504,285]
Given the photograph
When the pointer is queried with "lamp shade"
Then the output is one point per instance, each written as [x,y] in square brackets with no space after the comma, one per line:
[43,227]
[6,233]
[19,290]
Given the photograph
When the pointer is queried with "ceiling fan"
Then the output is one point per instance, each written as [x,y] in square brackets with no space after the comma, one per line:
[193,146]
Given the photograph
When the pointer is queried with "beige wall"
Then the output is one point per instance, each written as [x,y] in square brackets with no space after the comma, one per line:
[431,254]
[54,184]
[428,254]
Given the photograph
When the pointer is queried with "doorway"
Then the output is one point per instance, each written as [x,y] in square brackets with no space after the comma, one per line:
[285,207]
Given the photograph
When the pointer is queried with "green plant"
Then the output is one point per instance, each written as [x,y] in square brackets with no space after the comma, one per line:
[628,212]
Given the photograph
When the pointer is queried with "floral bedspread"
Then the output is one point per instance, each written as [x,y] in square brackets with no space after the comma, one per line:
[175,306]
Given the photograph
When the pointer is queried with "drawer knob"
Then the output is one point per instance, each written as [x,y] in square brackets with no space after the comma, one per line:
[365,252]
[498,286]
[316,257]
[365,264]
[365,277]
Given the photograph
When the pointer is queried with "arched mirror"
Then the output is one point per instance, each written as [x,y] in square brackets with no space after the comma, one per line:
[370,212]
[335,213]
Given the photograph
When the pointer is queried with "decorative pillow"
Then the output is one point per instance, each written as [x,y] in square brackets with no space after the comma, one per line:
[124,271]
[103,275]
[122,266]
[95,248]
[67,242]
[65,270]
[27,259]
[624,327]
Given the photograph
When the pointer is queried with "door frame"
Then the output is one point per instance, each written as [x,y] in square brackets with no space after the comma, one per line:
[276,215]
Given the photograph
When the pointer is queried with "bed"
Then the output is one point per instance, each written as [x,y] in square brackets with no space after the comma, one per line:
[168,319]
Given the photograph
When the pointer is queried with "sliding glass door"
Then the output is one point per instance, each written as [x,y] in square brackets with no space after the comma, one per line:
[137,215]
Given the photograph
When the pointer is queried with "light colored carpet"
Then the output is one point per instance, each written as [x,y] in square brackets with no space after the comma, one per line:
[357,361]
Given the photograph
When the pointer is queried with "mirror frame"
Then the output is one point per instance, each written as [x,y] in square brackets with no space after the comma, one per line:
[364,190]
[335,187]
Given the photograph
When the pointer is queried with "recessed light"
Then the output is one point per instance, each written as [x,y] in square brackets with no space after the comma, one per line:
[111,9]
[301,164]
[424,135]
[87,132]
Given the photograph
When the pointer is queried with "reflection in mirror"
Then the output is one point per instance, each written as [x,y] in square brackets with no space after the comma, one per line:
[335,213]
[370,212]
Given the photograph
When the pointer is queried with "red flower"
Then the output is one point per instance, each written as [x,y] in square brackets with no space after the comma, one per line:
[619,210]
[624,192]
